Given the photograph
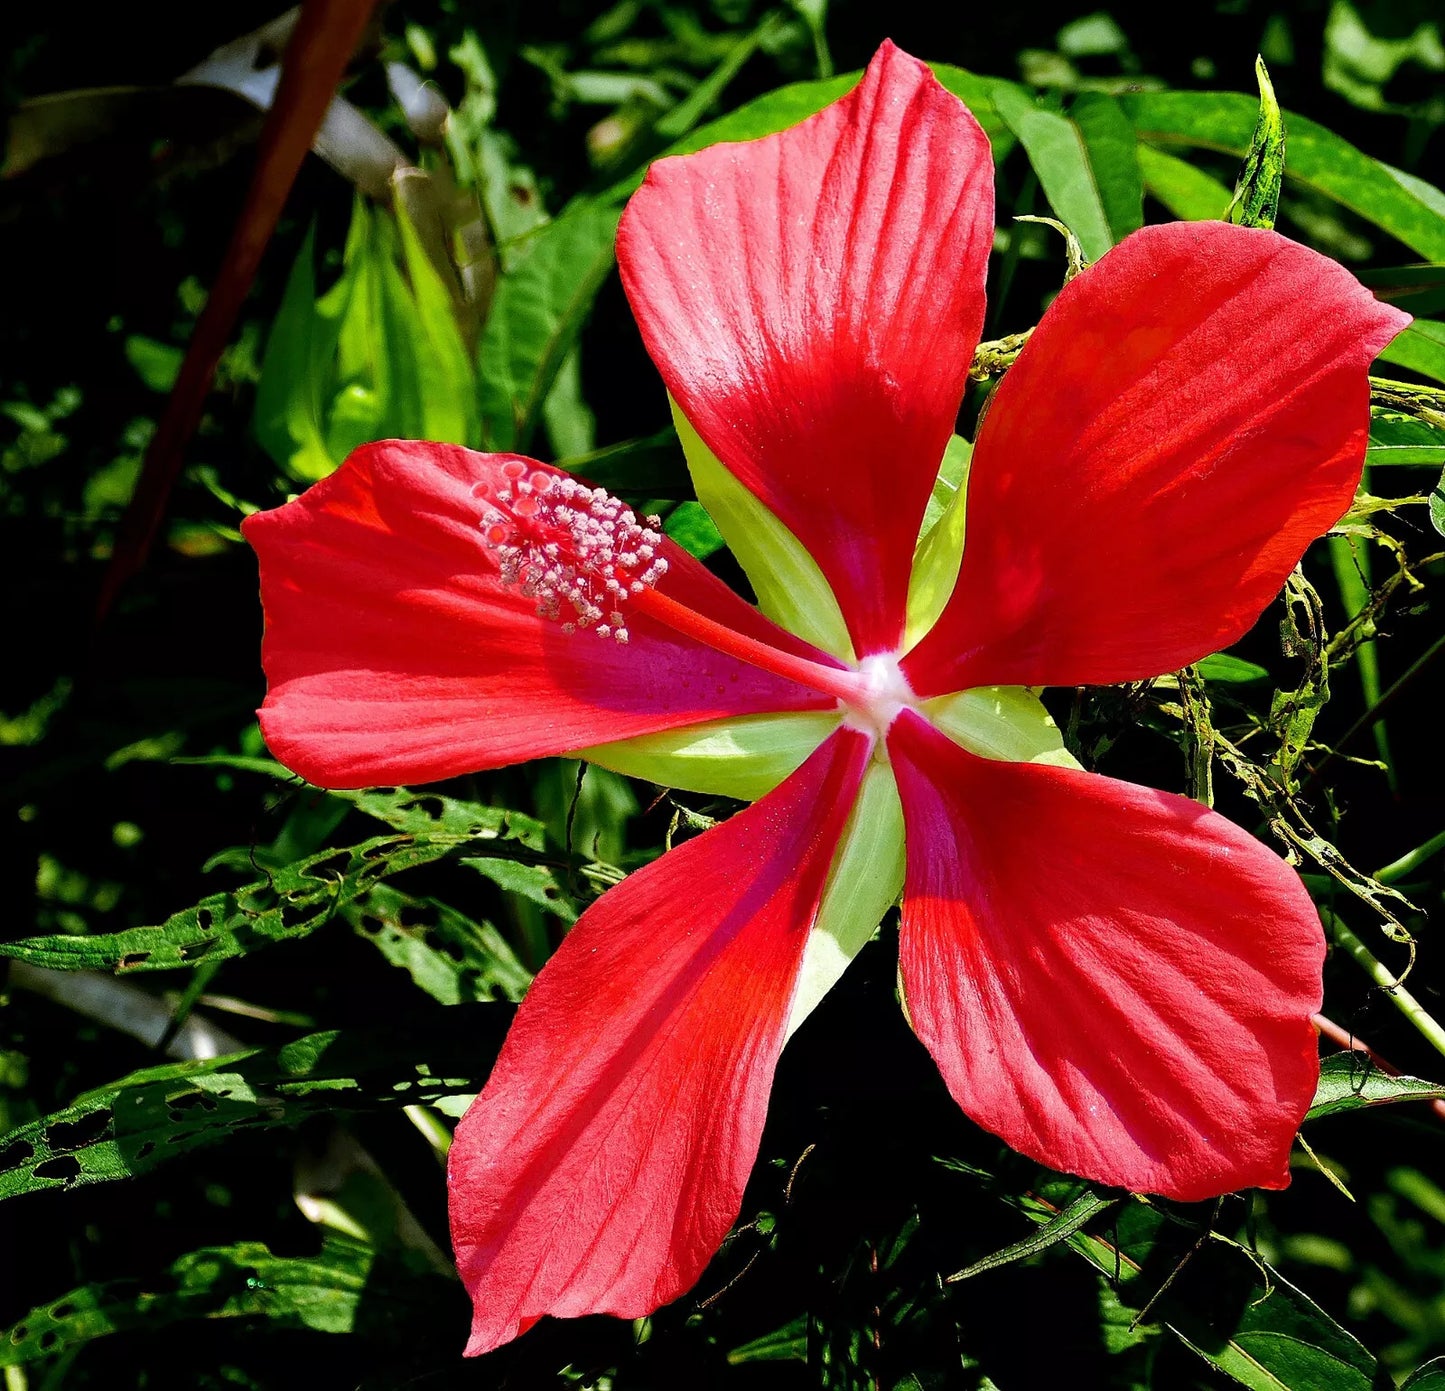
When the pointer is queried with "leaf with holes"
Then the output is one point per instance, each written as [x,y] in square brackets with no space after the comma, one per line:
[323,1293]
[447,954]
[300,898]
[291,903]
[138,1123]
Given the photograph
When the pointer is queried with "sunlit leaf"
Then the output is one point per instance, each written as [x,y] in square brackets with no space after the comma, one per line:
[1405,207]
[1350,1082]
[1256,195]
[1061,159]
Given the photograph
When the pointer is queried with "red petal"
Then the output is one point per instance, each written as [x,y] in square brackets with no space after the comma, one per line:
[1188,416]
[1114,980]
[812,301]
[394,653]
[607,1157]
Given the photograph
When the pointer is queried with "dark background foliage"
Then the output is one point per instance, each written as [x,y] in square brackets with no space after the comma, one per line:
[870,1184]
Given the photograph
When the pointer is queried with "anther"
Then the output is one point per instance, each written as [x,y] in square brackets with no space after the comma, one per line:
[563,543]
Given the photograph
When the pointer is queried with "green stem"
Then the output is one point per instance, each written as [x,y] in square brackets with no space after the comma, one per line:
[1409,863]
[1378,972]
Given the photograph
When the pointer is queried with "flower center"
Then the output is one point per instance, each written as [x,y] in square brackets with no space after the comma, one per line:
[883,693]
[578,551]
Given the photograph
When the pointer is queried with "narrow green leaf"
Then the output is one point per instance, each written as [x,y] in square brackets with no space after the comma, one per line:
[536,317]
[1350,1082]
[786,1344]
[1058,1228]
[295,375]
[446,381]
[1419,289]
[1060,158]
[688,112]
[1421,348]
[1396,439]
[1256,195]
[514,846]
[1318,158]
[132,1126]
[1350,560]
[1230,670]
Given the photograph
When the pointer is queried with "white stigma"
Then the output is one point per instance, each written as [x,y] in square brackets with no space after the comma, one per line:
[885,696]
[578,551]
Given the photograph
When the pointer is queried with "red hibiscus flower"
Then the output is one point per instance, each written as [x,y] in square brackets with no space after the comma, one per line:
[1114,980]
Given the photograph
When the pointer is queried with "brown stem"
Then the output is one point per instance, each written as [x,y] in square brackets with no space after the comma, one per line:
[316,57]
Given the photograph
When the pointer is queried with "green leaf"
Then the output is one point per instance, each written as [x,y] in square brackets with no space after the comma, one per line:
[786,1344]
[1256,195]
[134,1125]
[1056,149]
[1400,439]
[1186,192]
[515,857]
[786,106]
[1235,1312]
[690,526]
[1350,1082]
[1233,671]
[1421,348]
[344,1288]
[156,364]
[1419,289]
[652,467]
[319,1292]
[300,898]
[295,374]
[1280,1341]
[1437,506]
[1407,208]
[1428,1377]
[1058,1228]
[536,316]
[445,381]
[450,956]
[1113,154]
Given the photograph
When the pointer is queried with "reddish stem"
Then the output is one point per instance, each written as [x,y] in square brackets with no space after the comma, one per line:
[316,56]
